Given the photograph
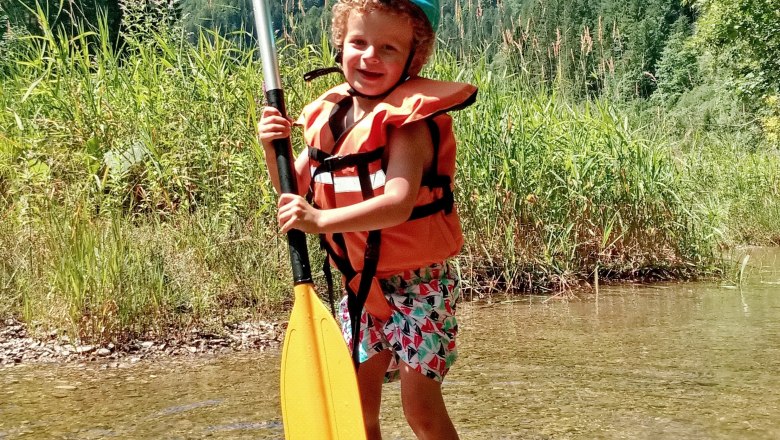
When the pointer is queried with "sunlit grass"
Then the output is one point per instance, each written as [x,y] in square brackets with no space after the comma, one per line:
[135,200]
[559,189]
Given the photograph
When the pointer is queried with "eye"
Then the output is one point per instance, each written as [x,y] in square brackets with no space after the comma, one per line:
[390,48]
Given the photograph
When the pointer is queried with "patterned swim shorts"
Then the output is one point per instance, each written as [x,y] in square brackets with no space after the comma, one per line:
[421,331]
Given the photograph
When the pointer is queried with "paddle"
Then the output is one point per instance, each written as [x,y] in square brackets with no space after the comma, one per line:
[319,392]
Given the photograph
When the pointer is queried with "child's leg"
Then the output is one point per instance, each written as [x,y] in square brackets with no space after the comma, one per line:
[424,406]
[371,376]
[423,333]
[375,358]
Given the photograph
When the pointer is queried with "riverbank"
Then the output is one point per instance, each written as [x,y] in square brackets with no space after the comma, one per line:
[18,346]
[134,198]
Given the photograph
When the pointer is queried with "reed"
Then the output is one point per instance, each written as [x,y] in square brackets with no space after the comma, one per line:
[551,189]
[134,198]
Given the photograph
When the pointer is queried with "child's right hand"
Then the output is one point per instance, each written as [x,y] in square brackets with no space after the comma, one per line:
[272,126]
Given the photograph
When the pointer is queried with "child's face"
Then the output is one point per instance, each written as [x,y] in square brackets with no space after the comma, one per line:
[376,46]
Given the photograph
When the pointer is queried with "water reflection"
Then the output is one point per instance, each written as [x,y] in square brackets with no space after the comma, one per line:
[673,361]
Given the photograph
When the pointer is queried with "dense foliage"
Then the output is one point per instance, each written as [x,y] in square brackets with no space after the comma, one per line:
[606,142]
[744,35]
[635,49]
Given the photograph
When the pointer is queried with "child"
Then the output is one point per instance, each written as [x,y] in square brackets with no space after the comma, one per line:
[378,170]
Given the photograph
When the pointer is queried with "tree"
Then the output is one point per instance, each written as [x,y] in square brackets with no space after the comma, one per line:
[745,35]
[677,71]
[72,16]
[223,16]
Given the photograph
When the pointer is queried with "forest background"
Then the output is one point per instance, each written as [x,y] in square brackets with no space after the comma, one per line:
[611,140]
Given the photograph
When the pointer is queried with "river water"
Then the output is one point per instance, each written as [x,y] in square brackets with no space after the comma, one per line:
[664,361]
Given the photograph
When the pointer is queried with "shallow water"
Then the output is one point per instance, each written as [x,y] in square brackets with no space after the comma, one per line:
[667,361]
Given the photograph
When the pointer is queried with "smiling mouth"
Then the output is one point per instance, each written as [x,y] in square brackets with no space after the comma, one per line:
[369,75]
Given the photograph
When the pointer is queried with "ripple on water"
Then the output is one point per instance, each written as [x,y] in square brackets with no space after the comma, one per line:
[188,407]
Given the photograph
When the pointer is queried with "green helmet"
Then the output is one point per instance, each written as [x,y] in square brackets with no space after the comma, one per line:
[431,9]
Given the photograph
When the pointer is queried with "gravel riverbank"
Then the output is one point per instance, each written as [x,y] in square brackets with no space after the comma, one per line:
[17,346]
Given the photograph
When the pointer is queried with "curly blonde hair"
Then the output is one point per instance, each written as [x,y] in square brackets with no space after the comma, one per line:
[422,40]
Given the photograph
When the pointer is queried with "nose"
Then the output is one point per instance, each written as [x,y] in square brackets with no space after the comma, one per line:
[370,54]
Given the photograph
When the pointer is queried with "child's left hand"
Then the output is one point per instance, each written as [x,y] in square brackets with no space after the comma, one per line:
[296,213]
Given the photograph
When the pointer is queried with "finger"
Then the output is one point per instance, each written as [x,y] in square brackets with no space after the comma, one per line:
[270,111]
[265,126]
[287,212]
[275,116]
[276,119]
[289,199]
[272,135]
[284,217]
[287,223]
[287,227]
[272,128]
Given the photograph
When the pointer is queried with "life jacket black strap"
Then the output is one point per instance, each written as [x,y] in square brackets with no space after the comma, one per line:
[445,203]
[316,73]
[333,162]
[341,262]
[434,180]
[356,300]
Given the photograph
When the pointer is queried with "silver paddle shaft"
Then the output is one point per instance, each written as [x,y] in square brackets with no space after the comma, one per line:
[265,39]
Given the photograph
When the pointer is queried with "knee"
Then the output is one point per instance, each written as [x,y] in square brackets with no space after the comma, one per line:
[418,415]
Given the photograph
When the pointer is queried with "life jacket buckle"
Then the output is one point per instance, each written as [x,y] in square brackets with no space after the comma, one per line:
[331,163]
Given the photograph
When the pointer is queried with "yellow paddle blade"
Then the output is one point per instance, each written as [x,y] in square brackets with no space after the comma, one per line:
[320,398]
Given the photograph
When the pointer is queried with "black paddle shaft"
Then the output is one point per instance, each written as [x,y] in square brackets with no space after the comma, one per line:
[296,239]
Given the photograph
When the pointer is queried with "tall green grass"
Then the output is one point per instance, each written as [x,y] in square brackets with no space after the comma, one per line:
[561,189]
[134,198]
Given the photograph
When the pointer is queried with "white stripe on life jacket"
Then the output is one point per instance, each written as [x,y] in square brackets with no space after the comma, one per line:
[344,184]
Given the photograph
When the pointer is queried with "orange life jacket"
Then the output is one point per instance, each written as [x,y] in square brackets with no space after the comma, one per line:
[346,168]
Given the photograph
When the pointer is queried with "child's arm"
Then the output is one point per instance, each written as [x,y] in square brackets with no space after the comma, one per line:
[273,126]
[409,152]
